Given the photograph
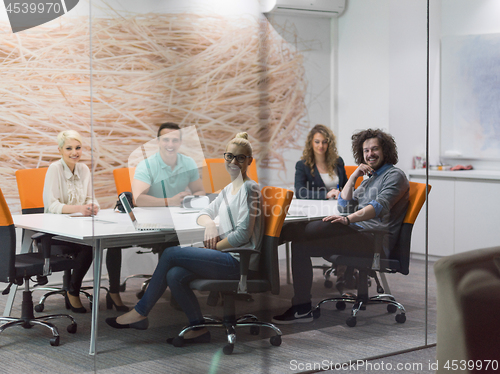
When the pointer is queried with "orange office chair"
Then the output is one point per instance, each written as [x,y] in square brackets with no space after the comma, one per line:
[123,177]
[349,169]
[30,189]
[398,262]
[17,269]
[205,179]
[220,178]
[30,184]
[275,206]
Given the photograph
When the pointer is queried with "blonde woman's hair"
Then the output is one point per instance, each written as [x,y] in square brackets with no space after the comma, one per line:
[331,155]
[68,134]
[241,139]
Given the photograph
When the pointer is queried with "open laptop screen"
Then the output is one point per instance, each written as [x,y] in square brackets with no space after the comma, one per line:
[127,207]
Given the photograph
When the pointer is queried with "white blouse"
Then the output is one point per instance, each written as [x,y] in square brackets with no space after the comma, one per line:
[62,187]
[330,183]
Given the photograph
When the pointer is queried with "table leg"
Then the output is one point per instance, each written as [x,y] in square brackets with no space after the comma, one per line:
[288,271]
[10,300]
[95,297]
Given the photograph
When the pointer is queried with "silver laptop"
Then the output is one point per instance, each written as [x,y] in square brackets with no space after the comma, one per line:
[142,226]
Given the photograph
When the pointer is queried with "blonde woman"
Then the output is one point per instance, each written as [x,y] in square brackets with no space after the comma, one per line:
[67,190]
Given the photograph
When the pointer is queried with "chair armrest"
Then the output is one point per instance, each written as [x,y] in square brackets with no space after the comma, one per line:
[45,240]
[250,251]
[375,231]
[245,254]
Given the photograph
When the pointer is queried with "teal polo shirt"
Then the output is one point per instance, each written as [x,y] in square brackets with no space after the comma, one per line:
[174,181]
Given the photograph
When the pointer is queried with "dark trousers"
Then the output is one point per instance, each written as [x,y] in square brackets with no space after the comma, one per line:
[83,256]
[321,239]
[114,266]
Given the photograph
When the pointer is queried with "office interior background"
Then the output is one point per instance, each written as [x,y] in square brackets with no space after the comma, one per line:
[372,66]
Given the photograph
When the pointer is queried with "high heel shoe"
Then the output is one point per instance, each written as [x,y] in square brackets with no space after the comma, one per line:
[110,303]
[143,324]
[73,309]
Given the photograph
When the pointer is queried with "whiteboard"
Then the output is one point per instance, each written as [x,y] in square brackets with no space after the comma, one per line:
[470,96]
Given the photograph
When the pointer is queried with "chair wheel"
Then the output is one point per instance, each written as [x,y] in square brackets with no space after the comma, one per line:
[228,349]
[123,287]
[275,340]
[328,284]
[391,308]
[351,321]
[39,308]
[140,294]
[72,328]
[400,318]
[254,330]
[54,341]
[316,313]
[340,305]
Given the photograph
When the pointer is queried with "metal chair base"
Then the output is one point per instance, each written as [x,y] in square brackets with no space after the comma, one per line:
[360,303]
[247,320]
[28,320]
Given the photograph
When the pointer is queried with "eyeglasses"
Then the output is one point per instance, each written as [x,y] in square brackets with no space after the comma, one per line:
[240,158]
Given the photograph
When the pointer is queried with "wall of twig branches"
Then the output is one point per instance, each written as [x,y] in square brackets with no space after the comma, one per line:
[221,75]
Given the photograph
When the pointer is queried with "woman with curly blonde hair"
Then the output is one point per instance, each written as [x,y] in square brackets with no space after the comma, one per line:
[320,173]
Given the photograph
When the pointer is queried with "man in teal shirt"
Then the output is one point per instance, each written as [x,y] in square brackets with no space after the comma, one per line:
[162,179]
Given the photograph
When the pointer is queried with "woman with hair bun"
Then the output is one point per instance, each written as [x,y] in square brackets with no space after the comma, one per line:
[240,225]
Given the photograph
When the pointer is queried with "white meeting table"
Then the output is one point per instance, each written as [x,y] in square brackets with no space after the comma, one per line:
[110,229]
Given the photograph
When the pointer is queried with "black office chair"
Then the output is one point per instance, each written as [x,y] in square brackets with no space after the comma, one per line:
[275,205]
[16,269]
[398,262]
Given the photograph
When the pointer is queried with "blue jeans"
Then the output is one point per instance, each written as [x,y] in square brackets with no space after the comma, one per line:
[177,267]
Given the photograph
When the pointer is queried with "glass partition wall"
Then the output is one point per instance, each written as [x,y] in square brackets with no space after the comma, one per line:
[115,70]
[45,89]
[223,70]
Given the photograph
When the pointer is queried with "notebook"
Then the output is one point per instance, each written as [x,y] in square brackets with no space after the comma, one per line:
[142,226]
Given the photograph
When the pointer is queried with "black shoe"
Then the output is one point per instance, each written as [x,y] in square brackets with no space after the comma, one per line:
[143,324]
[110,303]
[179,341]
[73,309]
[294,315]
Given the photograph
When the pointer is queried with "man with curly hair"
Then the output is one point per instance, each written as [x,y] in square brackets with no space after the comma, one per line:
[380,202]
